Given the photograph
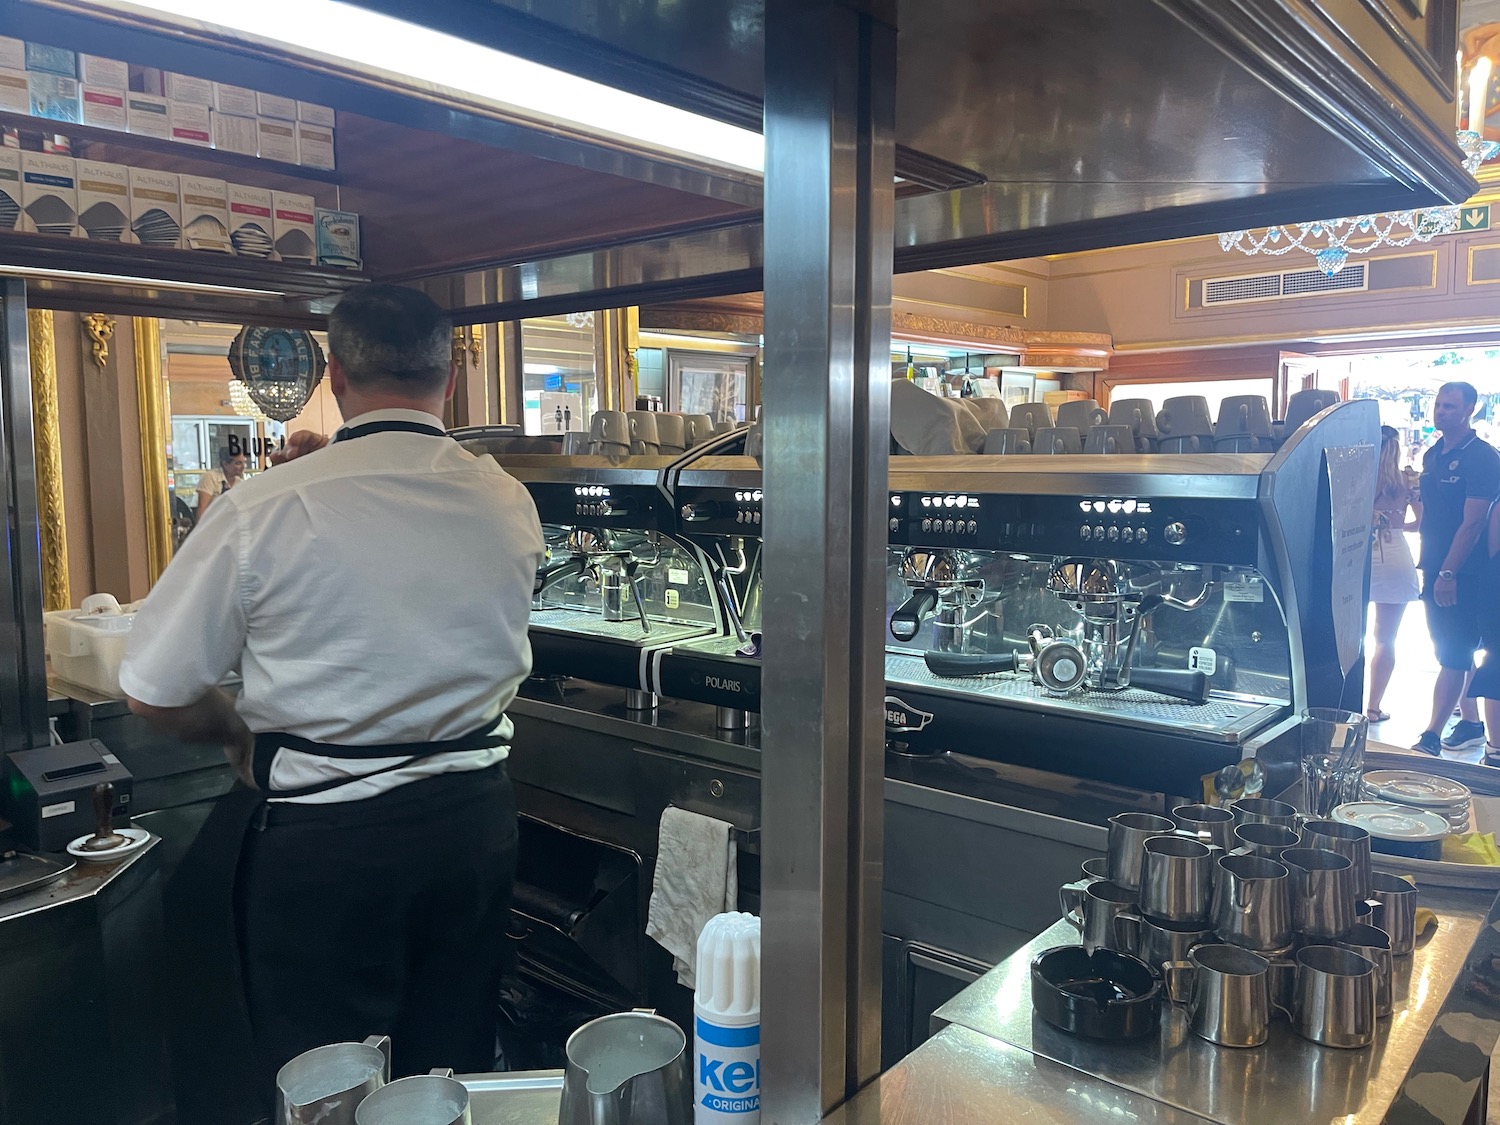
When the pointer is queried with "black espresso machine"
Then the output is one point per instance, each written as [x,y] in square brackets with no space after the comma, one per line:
[1140,620]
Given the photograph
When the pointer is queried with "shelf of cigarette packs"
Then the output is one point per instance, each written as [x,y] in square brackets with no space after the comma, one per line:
[142,192]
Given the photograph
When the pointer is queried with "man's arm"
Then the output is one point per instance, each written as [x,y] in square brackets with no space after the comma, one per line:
[211,718]
[1476,515]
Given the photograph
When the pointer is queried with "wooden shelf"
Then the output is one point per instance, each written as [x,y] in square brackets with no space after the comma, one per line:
[93,143]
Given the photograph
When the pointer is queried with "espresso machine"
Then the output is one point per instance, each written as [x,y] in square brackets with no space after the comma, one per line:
[615,589]
[1138,620]
[716,502]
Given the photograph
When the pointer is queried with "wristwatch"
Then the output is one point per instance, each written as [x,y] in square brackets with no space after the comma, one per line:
[1447,574]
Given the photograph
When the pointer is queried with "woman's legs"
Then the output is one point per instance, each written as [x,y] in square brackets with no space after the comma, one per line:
[1383,660]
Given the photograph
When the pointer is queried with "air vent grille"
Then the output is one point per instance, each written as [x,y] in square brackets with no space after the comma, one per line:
[1281,286]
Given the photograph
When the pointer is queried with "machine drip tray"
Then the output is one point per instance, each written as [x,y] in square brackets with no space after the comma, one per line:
[581,622]
[1226,718]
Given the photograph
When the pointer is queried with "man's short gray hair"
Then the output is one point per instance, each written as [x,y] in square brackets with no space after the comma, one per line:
[391,336]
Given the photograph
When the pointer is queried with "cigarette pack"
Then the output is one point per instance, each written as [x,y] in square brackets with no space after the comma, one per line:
[12,53]
[274,105]
[315,114]
[186,88]
[104,108]
[15,91]
[277,140]
[49,193]
[235,134]
[156,207]
[10,188]
[53,96]
[52,60]
[205,214]
[250,222]
[314,146]
[292,227]
[234,100]
[103,200]
[190,123]
[147,115]
[96,70]
[338,239]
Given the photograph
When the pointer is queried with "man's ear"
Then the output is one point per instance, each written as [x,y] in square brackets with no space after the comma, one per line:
[452,381]
[338,382]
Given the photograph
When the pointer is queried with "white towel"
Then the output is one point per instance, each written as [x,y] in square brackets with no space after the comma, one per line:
[695,880]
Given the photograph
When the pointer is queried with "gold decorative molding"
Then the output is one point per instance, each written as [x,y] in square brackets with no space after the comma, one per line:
[47,438]
[152,411]
[700,320]
[101,330]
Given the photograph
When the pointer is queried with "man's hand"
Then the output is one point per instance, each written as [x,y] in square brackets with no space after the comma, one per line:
[300,444]
[212,718]
[241,755]
[1445,591]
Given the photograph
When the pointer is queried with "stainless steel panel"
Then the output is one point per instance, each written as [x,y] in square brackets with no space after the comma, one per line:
[575,622]
[23,671]
[526,1098]
[826,419]
[1290,1079]
[1230,476]
[960,1077]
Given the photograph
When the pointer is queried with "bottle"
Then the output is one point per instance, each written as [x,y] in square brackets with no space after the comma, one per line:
[726,1022]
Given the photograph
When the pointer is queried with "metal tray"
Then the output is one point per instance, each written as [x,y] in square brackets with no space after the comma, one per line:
[22,872]
[525,1097]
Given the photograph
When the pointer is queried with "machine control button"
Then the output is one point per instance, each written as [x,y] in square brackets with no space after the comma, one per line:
[895,525]
[1175,533]
[1085,532]
[973,527]
[739,517]
[1099,531]
[1113,534]
[756,517]
[926,525]
[1127,535]
[947,525]
[1140,535]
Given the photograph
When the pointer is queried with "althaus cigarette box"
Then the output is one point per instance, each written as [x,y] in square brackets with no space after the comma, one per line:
[15,91]
[10,188]
[315,114]
[250,222]
[186,88]
[205,214]
[49,193]
[292,227]
[103,200]
[148,115]
[156,207]
[274,105]
[12,53]
[314,146]
[96,70]
[236,100]
[190,123]
[236,134]
[276,139]
[104,108]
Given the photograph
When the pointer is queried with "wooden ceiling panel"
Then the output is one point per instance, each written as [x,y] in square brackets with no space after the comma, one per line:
[431,203]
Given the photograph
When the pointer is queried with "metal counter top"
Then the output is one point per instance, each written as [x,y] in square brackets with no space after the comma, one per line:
[86,880]
[1427,1063]
[959,1077]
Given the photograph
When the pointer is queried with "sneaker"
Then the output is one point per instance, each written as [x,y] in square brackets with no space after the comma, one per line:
[1464,736]
[1429,743]
[1491,754]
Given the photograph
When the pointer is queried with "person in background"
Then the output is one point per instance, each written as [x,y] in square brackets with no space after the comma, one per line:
[1393,572]
[215,482]
[1460,480]
[375,595]
[1485,683]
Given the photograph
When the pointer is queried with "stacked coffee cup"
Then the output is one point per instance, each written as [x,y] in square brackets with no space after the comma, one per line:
[1251,910]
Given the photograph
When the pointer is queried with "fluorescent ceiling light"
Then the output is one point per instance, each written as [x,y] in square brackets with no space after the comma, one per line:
[344,32]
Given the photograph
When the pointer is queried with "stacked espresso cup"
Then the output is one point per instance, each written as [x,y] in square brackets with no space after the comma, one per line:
[1251,911]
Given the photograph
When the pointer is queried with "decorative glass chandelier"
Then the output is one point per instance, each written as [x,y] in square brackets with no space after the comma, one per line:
[242,404]
[580,319]
[1328,240]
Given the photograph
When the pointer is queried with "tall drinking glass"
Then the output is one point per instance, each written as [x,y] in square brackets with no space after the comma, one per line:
[1333,758]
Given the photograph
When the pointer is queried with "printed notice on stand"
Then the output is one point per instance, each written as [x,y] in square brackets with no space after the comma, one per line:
[1351,502]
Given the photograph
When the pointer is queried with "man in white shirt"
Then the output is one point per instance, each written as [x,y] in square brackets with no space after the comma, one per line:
[374,595]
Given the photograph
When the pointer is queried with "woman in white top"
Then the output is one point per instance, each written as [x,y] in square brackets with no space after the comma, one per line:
[214,482]
[1393,573]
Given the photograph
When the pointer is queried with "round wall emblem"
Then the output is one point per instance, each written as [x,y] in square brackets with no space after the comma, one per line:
[280,368]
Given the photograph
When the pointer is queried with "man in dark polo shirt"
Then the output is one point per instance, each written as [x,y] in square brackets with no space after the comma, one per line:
[1460,480]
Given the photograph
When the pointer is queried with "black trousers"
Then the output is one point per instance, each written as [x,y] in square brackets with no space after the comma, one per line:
[381,916]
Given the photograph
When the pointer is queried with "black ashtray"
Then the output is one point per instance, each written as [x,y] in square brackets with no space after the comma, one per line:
[1099,995]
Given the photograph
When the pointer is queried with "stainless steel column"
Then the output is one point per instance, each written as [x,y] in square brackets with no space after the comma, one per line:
[830,92]
[23,673]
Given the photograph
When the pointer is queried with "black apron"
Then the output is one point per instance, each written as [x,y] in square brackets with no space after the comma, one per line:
[218,1073]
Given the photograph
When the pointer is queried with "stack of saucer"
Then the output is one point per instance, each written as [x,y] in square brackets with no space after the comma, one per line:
[1428,792]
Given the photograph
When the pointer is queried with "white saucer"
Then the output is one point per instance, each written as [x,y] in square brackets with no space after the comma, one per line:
[135,839]
[1393,822]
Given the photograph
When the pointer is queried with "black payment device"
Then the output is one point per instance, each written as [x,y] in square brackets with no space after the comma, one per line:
[48,793]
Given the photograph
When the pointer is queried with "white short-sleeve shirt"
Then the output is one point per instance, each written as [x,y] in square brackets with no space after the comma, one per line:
[376,591]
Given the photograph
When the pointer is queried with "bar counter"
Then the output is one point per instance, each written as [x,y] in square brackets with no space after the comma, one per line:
[995,1060]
